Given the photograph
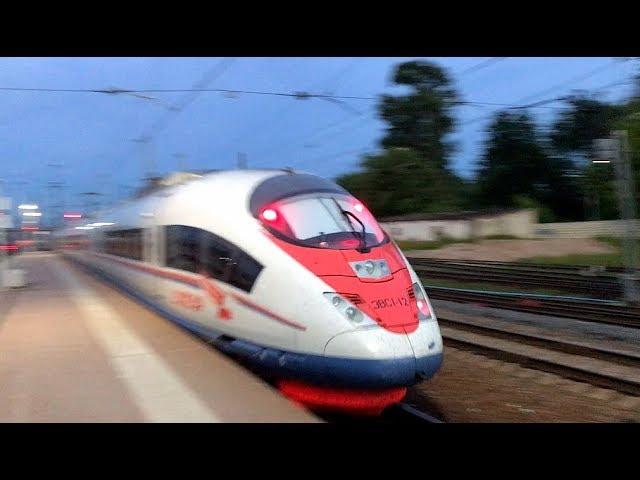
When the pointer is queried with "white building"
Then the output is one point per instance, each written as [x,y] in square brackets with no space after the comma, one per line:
[518,223]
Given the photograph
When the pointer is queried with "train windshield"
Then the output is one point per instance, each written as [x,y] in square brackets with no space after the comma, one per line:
[331,220]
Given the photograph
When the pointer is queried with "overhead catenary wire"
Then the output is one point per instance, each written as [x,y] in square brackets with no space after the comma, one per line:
[480,66]
[519,104]
[319,133]
[332,81]
[210,75]
[300,95]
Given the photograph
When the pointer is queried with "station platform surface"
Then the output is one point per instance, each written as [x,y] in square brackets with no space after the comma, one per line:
[74,349]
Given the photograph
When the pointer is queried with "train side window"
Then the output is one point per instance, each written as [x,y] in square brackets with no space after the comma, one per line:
[244,272]
[123,243]
[183,247]
[217,256]
[199,251]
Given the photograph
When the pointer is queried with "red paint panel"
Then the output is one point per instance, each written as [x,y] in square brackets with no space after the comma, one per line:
[320,261]
[387,252]
[364,402]
[384,300]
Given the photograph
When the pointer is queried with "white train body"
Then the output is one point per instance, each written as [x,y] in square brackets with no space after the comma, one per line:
[203,254]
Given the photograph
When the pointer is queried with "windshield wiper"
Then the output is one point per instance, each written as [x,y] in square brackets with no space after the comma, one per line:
[363,243]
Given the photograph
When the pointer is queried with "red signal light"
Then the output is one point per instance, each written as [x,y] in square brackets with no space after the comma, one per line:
[274,219]
[270,214]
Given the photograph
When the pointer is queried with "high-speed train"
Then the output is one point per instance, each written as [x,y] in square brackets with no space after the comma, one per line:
[285,271]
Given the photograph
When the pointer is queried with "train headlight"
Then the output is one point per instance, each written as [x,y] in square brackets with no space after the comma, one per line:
[384,268]
[424,310]
[353,314]
[347,310]
[371,268]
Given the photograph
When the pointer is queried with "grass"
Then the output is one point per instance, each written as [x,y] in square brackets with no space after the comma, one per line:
[443,242]
[595,259]
[426,245]
[615,259]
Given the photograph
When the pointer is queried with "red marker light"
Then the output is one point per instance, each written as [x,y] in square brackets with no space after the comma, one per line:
[269,215]
[351,242]
[423,307]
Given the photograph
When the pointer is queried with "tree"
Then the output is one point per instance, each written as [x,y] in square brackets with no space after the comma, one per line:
[421,119]
[579,125]
[516,164]
[398,181]
[572,136]
[412,174]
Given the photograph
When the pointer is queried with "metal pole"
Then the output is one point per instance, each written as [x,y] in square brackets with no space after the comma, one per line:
[626,197]
[242,160]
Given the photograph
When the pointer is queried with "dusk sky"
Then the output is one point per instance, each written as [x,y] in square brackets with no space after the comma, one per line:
[92,133]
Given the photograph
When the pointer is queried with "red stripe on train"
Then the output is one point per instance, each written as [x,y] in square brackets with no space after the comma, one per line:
[204,284]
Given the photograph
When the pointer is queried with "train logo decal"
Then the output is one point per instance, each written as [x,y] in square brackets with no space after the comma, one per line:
[187,300]
[216,294]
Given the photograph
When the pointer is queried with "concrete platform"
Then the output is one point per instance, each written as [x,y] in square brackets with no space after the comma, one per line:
[72,349]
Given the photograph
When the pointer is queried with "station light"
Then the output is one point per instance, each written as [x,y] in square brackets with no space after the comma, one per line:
[72,215]
[28,206]
[100,224]
[32,214]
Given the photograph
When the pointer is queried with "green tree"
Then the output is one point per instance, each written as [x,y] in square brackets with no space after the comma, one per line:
[516,164]
[398,181]
[584,120]
[572,136]
[412,174]
[422,118]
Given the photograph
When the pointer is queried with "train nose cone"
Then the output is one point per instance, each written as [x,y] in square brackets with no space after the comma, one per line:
[426,342]
[371,357]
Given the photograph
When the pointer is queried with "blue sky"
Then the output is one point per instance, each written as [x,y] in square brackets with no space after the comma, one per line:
[92,133]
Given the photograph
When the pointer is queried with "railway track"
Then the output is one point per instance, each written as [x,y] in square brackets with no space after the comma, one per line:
[595,282]
[543,267]
[597,366]
[406,412]
[590,310]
